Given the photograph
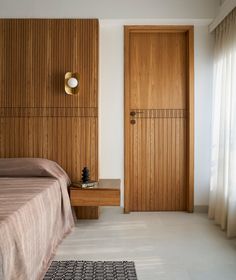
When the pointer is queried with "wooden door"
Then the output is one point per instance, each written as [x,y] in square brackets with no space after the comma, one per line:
[158,118]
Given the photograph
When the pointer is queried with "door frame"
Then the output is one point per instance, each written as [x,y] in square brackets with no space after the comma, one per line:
[189,30]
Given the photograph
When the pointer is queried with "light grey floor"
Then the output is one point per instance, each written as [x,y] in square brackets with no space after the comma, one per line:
[164,246]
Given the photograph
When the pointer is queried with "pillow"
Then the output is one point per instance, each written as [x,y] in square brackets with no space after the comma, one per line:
[32,167]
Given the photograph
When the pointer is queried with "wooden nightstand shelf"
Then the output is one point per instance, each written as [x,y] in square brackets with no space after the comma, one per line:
[87,201]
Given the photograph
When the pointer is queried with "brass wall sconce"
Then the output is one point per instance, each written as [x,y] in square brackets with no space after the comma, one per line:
[72,83]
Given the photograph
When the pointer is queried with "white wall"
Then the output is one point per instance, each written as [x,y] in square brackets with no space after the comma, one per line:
[204,49]
[113,14]
[112,97]
[109,8]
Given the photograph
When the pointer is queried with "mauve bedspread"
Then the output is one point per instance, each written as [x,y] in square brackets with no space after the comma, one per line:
[35,214]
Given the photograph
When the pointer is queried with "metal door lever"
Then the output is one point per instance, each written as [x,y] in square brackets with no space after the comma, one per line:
[133,113]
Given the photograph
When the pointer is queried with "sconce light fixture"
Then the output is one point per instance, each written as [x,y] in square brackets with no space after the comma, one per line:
[71,83]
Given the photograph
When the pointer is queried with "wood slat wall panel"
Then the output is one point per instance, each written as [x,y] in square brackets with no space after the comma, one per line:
[58,139]
[36,54]
[48,112]
[37,118]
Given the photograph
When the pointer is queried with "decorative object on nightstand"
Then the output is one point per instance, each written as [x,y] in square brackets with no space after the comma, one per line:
[85,175]
[85,180]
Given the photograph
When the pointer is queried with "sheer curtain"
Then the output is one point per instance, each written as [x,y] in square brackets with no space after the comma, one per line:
[222,206]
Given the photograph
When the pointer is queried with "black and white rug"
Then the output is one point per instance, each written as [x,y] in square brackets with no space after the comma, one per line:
[88,270]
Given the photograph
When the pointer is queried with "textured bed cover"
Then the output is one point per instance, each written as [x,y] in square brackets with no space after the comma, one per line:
[35,215]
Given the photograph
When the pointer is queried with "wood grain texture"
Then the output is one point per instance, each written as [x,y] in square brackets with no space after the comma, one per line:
[37,118]
[162,57]
[70,141]
[95,197]
[87,201]
[190,123]
[158,170]
[159,99]
[87,213]
[35,54]
[107,193]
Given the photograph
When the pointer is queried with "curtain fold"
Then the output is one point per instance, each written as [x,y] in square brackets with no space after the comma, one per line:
[222,205]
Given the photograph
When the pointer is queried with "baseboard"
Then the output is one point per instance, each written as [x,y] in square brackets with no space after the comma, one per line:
[201,208]
[197,208]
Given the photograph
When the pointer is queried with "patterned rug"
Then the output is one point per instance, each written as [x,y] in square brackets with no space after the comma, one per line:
[88,270]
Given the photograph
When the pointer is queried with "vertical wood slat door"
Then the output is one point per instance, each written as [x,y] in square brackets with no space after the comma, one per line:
[158,118]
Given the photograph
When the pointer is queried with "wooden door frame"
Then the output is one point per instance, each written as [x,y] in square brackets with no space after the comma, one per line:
[189,30]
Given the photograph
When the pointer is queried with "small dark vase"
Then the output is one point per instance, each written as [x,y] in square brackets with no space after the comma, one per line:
[85,175]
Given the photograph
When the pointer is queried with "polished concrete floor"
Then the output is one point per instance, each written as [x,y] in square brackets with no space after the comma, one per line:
[164,245]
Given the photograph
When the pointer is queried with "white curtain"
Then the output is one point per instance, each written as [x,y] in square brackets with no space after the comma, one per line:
[222,206]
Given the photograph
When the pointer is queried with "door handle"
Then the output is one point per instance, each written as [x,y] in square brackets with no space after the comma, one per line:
[133,113]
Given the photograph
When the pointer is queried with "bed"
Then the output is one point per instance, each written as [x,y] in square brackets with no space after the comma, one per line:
[35,215]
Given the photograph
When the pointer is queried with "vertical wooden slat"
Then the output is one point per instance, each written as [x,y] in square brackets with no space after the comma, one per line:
[181,160]
[173,164]
[139,167]
[152,182]
[161,164]
[133,170]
